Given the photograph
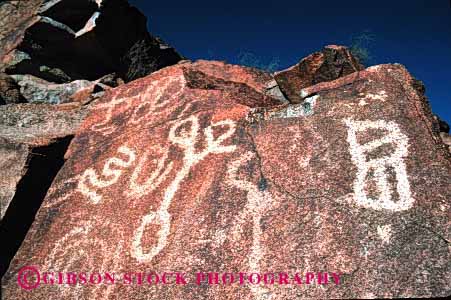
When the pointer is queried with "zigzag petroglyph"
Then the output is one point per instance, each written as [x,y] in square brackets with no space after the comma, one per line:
[185,139]
[149,102]
[111,175]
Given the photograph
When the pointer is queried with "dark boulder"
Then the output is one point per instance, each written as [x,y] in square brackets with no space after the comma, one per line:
[66,40]
[327,65]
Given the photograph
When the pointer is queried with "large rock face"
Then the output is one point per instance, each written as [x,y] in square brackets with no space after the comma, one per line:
[194,169]
[33,141]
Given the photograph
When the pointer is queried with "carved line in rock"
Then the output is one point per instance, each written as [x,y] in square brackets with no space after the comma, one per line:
[185,139]
[384,232]
[59,262]
[400,143]
[110,175]
[158,175]
[257,202]
[82,249]
[151,98]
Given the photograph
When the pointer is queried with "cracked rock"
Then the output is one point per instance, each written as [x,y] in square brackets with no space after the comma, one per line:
[327,65]
[168,171]
[63,39]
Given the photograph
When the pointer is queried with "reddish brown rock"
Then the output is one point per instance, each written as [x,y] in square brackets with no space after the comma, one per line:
[193,169]
[27,172]
[15,16]
[329,64]
[33,141]
[443,127]
[24,129]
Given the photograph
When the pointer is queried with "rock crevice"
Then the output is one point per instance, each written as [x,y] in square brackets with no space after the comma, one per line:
[325,168]
[42,164]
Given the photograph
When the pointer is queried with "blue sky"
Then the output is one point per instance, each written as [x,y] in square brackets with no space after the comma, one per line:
[415,33]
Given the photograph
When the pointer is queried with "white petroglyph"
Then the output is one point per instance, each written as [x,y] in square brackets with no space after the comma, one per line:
[105,127]
[384,233]
[153,97]
[148,101]
[257,202]
[59,261]
[83,249]
[399,141]
[56,259]
[185,139]
[367,98]
[381,96]
[362,102]
[89,180]
[158,175]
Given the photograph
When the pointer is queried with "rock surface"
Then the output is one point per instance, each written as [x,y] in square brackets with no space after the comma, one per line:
[15,16]
[9,90]
[327,65]
[74,43]
[24,128]
[33,141]
[66,40]
[443,128]
[324,170]
[195,168]
[446,138]
[36,90]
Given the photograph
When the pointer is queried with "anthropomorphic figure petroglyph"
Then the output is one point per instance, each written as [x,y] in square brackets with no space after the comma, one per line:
[257,202]
[394,138]
[185,139]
